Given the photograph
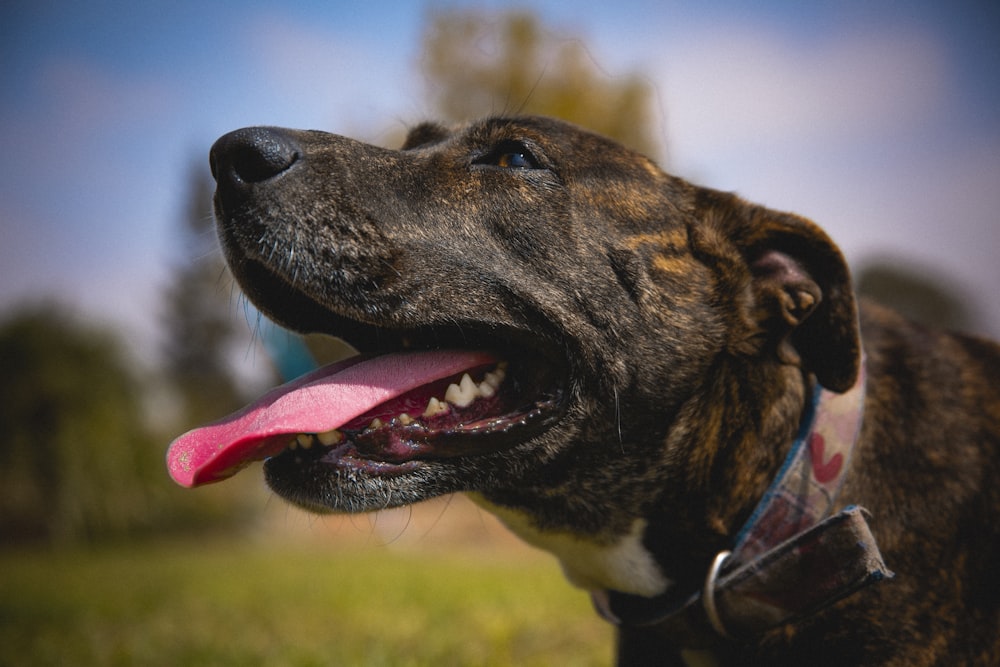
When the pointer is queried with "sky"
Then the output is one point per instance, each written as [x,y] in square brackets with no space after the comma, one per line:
[878,120]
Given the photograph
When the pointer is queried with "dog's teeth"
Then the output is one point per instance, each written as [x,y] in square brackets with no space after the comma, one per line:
[305,440]
[453,394]
[294,444]
[463,393]
[405,419]
[469,389]
[493,379]
[330,438]
[486,389]
[376,423]
[435,407]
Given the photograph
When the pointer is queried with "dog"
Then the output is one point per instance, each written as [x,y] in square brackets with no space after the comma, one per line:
[622,366]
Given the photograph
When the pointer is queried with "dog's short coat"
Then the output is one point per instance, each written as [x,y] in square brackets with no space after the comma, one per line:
[670,334]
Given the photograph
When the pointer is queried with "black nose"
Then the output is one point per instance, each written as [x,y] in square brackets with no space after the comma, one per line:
[252,155]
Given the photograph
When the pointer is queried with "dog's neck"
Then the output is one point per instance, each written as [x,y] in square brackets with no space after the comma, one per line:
[793,516]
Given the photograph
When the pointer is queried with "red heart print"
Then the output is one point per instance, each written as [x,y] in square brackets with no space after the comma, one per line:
[823,471]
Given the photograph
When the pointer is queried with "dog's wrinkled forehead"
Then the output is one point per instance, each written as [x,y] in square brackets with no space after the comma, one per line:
[564,144]
[607,175]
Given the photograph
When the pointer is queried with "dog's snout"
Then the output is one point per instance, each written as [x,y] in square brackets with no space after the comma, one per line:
[252,155]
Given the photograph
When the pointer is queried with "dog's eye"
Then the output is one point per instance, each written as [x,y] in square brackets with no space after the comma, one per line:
[516,160]
[510,155]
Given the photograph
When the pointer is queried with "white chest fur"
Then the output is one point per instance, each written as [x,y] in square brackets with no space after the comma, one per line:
[622,565]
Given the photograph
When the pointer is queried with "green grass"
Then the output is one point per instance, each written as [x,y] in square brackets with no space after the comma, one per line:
[219,603]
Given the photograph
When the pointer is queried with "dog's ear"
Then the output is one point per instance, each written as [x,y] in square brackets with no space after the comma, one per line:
[424,134]
[800,303]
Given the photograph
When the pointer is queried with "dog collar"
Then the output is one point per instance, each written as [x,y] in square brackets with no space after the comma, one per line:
[809,482]
[791,558]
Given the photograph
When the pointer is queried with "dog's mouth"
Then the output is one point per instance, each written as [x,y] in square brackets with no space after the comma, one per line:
[413,401]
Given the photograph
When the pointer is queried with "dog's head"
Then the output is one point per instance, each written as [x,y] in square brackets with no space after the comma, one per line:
[652,334]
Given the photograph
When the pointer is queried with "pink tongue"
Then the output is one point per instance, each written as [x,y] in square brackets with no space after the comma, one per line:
[319,401]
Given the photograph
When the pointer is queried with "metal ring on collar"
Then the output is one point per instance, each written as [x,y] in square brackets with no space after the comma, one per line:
[708,595]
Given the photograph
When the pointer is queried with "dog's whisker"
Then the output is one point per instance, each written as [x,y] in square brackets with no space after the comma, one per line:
[392,268]
[618,420]
[531,91]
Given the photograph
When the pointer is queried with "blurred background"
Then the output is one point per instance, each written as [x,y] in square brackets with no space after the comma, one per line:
[121,328]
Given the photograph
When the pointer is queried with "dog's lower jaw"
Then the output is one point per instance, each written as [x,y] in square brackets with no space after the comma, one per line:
[621,564]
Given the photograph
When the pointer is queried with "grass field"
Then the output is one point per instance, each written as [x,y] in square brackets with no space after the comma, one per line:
[297,602]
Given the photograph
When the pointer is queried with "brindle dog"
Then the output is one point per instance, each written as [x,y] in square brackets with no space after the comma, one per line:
[661,341]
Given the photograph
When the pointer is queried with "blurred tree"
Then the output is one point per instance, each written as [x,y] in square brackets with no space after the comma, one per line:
[204,331]
[917,294]
[75,458]
[477,65]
